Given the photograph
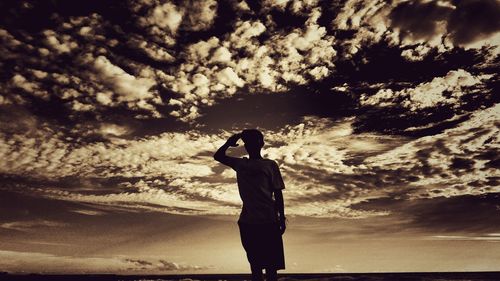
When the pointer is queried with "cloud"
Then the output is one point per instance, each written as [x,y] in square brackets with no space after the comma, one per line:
[127,86]
[200,15]
[88,212]
[79,102]
[228,77]
[242,60]
[328,167]
[34,88]
[165,15]
[470,31]
[30,225]
[33,262]
[113,130]
[419,20]
[487,237]
[152,50]
[95,64]
[315,158]
[222,54]
[181,190]
[159,154]
[435,160]
[63,44]
[449,164]
[310,145]
[164,21]
[176,178]
[71,68]
[161,265]
[447,90]
[9,44]
[369,22]
[180,196]
[419,26]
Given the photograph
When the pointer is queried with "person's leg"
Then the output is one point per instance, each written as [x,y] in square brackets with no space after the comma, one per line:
[256,273]
[271,274]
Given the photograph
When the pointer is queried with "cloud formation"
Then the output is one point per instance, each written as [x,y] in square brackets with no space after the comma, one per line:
[448,90]
[328,168]
[106,106]
[383,117]
[91,62]
[420,27]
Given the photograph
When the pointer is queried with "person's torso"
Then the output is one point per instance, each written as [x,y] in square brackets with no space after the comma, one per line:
[256,191]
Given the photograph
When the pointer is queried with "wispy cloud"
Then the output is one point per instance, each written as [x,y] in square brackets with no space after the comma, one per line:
[486,237]
[88,212]
[31,225]
[19,262]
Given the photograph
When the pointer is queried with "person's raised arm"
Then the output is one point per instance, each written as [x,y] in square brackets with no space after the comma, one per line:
[220,154]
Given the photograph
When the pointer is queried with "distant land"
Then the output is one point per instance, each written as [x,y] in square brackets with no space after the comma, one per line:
[410,276]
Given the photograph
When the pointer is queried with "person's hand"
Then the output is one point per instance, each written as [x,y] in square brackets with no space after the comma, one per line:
[282,225]
[232,140]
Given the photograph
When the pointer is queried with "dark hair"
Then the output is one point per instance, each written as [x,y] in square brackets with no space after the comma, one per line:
[252,137]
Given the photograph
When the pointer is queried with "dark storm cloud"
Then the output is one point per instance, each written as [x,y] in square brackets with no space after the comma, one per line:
[465,21]
[419,19]
[136,56]
[124,50]
[474,20]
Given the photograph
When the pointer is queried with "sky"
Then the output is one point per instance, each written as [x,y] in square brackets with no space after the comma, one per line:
[383,116]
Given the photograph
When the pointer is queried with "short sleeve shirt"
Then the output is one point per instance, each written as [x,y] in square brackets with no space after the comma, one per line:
[257,181]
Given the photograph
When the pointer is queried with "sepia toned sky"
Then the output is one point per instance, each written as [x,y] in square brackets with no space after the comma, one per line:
[383,116]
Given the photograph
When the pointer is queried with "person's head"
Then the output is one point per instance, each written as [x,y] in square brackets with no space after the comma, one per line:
[253,139]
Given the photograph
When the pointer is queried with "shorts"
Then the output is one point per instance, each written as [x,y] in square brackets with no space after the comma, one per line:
[263,244]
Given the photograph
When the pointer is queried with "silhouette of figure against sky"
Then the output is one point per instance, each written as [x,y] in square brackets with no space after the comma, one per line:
[262,218]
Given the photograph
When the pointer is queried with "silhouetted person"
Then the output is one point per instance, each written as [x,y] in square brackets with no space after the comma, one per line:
[262,218]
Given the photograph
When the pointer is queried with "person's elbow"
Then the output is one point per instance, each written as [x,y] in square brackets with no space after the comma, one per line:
[218,157]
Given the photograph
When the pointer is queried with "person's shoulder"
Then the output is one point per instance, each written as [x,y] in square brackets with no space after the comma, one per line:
[271,162]
[242,159]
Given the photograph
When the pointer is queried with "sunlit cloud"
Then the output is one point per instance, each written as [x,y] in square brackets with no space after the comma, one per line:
[487,238]
[19,262]
[30,225]
[447,90]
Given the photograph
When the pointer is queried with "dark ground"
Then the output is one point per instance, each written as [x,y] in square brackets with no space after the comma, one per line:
[432,276]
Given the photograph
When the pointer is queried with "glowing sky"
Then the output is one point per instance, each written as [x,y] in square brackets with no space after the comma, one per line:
[383,116]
